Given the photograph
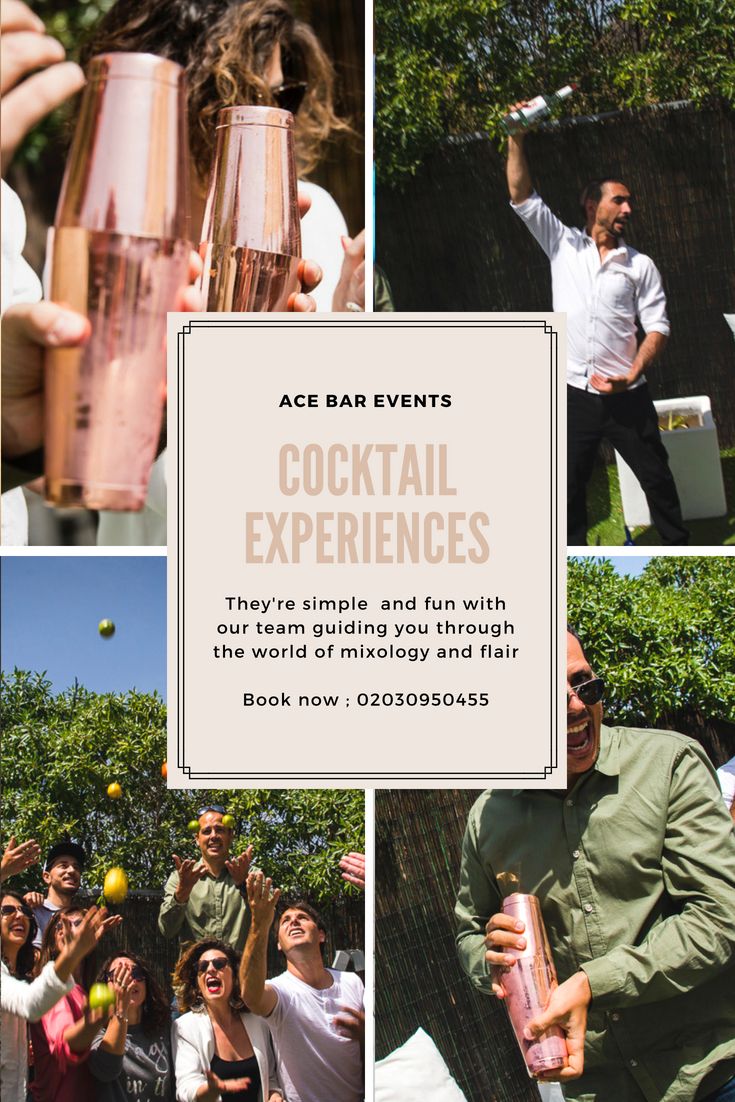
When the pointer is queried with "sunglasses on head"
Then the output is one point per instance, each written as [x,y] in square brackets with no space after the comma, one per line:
[290,95]
[218,963]
[136,973]
[589,692]
[210,807]
[15,908]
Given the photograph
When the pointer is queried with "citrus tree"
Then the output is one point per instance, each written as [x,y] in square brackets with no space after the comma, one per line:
[664,641]
[61,752]
[448,67]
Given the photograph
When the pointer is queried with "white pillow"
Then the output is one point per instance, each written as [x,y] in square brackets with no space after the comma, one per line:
[414,1072]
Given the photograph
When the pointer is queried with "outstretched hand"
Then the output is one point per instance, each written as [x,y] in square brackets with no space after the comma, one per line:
[238,866]
[189,872]
[262,898]
[353,869]
[16,858]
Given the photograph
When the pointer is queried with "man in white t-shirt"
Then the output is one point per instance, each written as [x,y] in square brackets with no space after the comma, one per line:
[315,1014]
[605,287]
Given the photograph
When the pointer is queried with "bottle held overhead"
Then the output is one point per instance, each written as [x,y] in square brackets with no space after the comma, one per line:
[535,110]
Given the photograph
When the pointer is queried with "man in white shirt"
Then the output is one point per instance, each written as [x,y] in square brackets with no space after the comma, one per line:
[604,286]
[315,1014]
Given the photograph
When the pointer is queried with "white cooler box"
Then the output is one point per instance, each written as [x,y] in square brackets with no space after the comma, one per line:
[694,456]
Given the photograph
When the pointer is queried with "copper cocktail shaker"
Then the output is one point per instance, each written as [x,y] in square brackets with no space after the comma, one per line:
[528,985]
[251,237]
[119,253]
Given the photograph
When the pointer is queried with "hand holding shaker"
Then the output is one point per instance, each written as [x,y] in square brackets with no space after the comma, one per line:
[528,986]
[119,253]
[251,237]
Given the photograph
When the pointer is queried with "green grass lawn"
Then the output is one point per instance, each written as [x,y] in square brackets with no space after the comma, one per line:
[605,512]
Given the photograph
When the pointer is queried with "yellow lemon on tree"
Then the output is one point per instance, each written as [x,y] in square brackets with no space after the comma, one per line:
[114,791]
[106,629]
[116,885]
[101,995]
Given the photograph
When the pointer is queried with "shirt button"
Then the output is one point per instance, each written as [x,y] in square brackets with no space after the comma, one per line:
[575,854]
[588,908]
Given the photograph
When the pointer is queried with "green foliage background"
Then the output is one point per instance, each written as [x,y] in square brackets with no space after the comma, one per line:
[448,67]
[664,641]
[60,752]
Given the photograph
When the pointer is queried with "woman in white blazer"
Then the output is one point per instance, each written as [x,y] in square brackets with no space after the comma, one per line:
[219,1048]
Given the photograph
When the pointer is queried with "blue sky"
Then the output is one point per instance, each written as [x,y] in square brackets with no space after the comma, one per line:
[51,608]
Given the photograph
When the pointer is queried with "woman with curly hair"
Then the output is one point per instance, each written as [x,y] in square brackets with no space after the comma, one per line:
[23,1001]
[62,1039]
[133,1056]
[220,1048]
[247,52]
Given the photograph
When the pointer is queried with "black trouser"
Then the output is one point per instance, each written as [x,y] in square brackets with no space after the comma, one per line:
[629,421]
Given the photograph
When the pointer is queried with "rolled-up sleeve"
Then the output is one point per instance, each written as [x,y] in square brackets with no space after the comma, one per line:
[172,914]
[651,299]
[477,900]
[698,863]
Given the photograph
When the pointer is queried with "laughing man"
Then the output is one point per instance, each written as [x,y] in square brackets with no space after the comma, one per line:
[634,867]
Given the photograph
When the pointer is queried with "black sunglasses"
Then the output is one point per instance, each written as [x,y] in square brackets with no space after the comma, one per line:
[589,692]
[136,973]
[210,807]
[290,95]
[218,963]
[15,908]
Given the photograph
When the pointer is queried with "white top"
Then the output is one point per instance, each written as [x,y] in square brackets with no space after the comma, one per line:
[192,1042]
[315,1062]
[321,230]
[19,283]
[601,298]
[22,1002]
[726,777]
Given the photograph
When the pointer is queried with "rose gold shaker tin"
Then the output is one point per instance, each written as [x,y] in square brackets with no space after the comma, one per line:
[251,237]
[528,986]
[119,253]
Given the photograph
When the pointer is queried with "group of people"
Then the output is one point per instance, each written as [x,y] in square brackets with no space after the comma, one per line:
[231,1032]
[249,52]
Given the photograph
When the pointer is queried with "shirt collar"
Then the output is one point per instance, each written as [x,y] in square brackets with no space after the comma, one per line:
[608,761]
[621,249]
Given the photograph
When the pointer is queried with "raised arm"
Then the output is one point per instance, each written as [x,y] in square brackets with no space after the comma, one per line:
[258,995]
[517,170]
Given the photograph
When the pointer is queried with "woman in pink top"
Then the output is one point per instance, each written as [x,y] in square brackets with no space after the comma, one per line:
[62,1039]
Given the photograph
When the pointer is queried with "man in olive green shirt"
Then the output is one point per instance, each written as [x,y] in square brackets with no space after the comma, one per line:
[207,898]
[634,866]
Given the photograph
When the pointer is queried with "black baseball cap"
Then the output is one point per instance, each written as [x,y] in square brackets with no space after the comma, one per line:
[64,849]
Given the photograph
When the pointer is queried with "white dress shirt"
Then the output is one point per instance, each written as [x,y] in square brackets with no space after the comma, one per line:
[601,298]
